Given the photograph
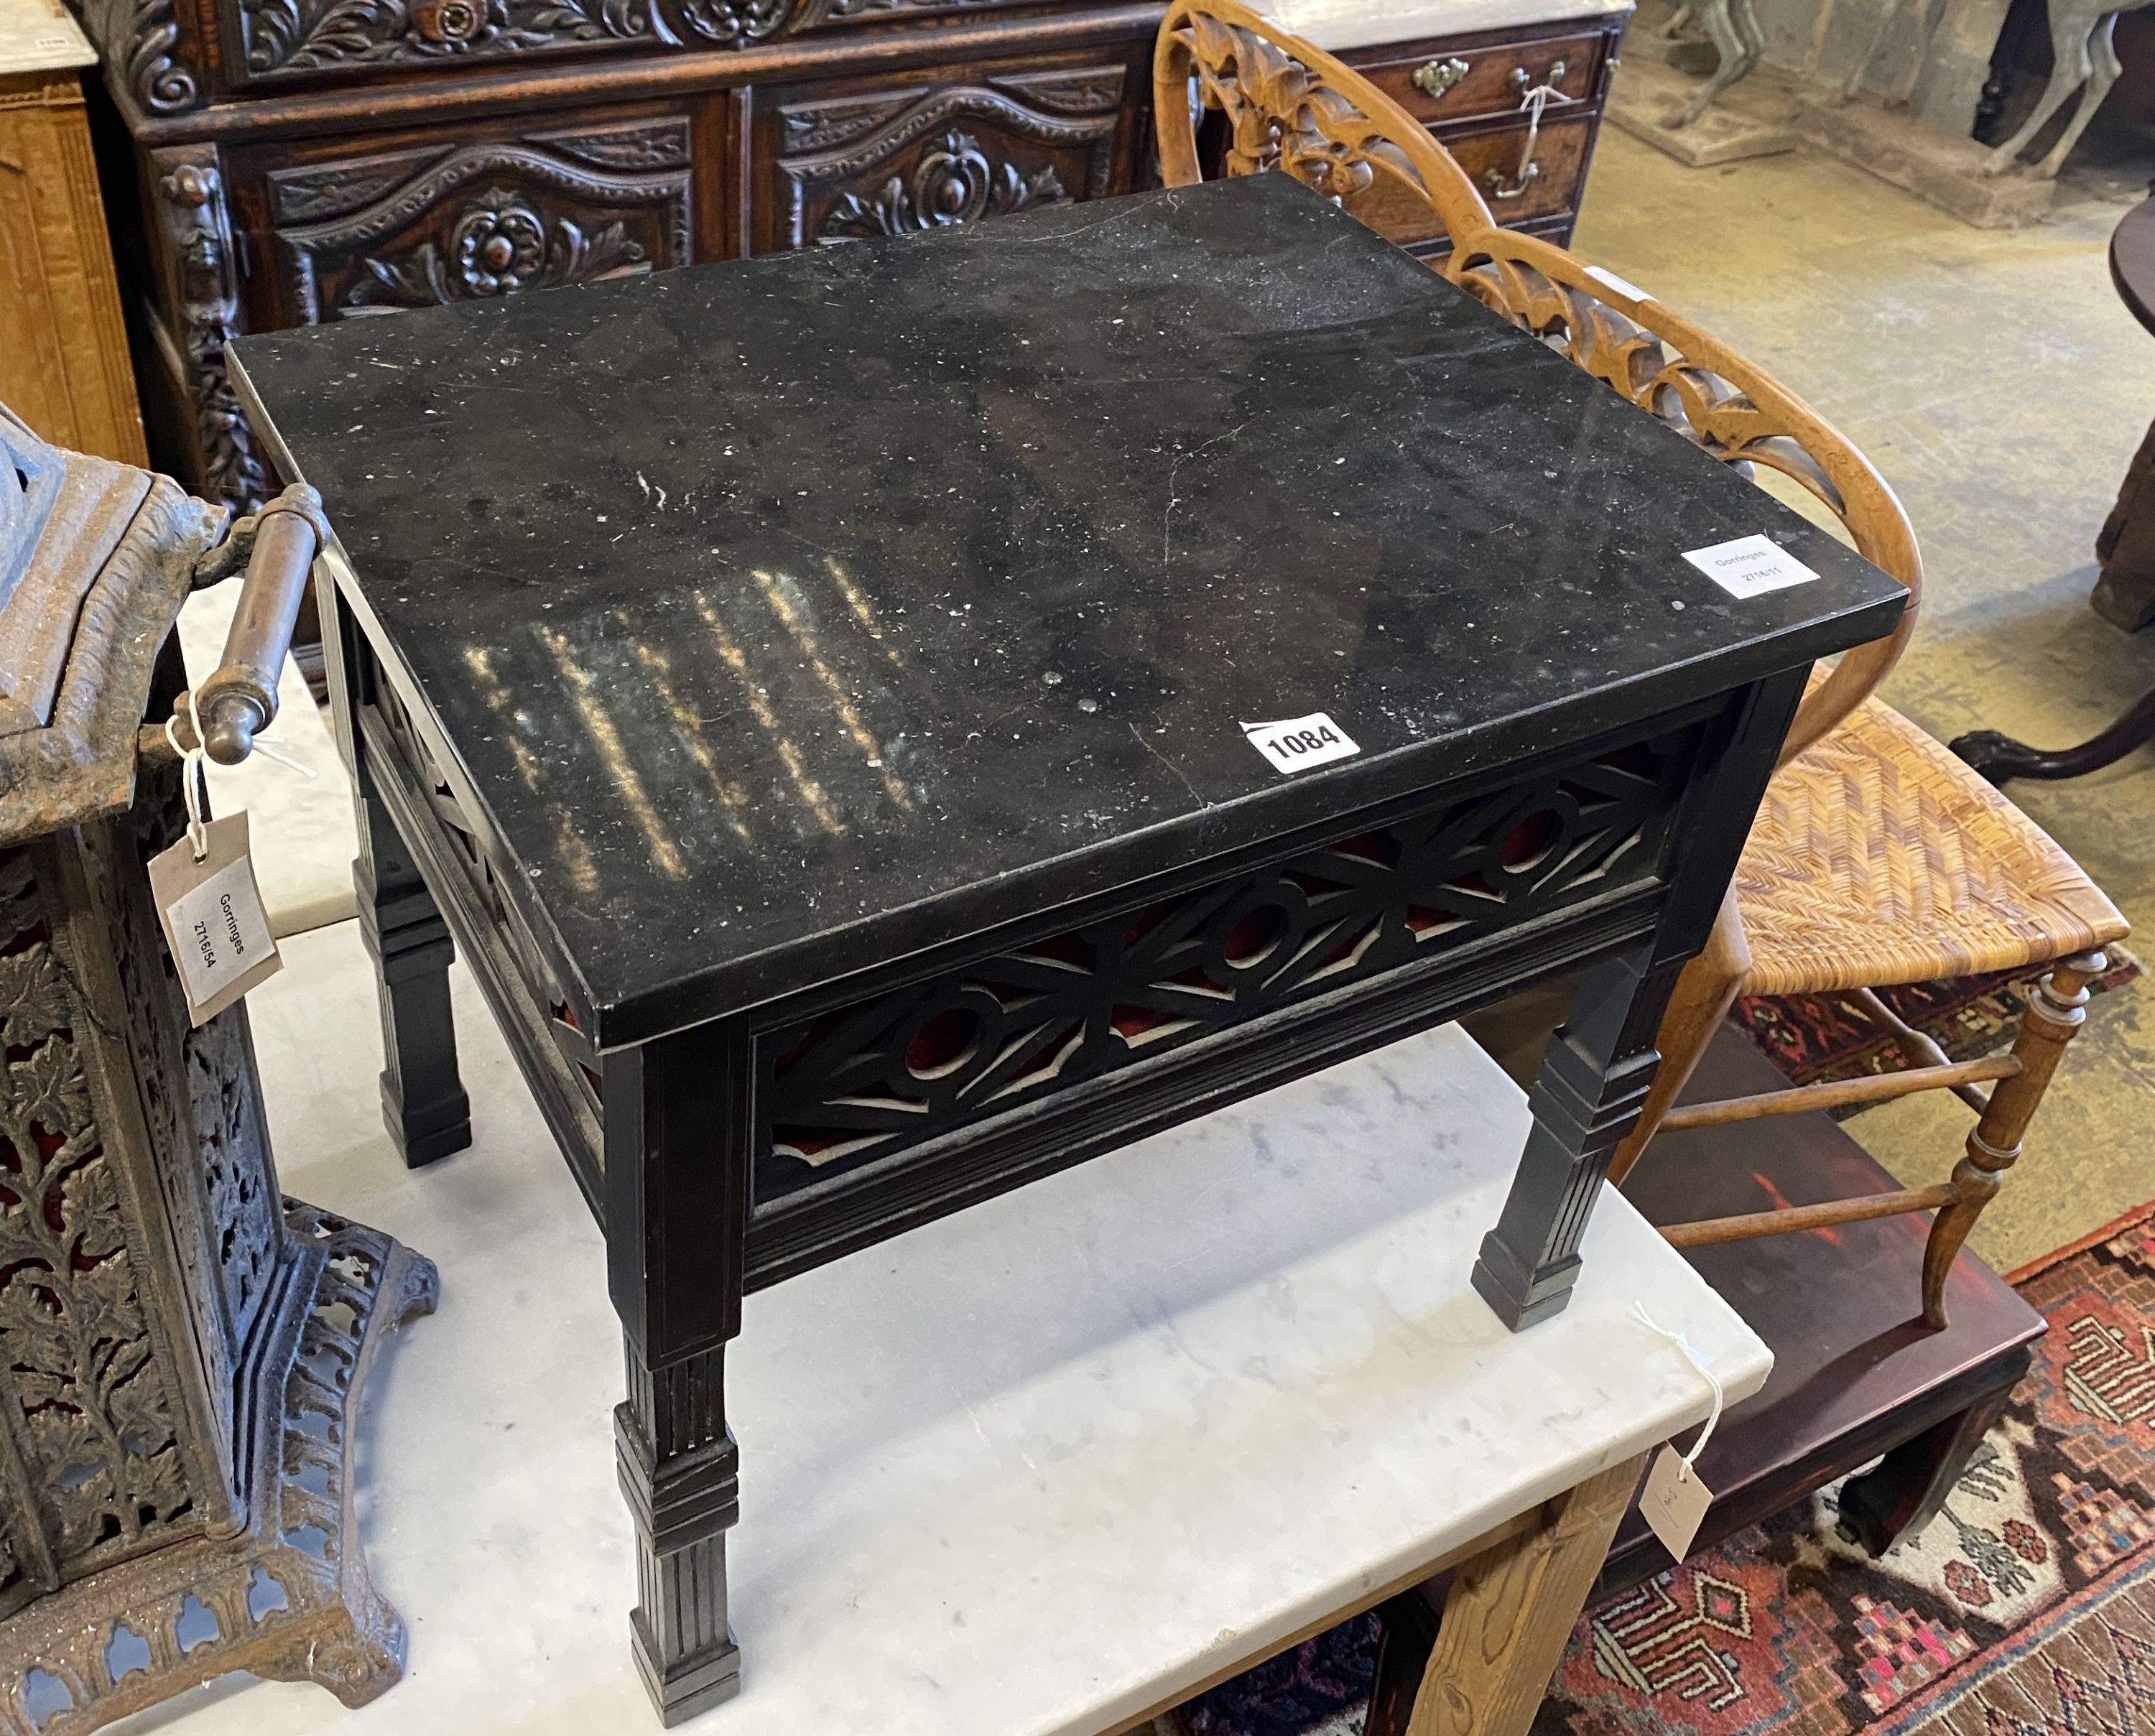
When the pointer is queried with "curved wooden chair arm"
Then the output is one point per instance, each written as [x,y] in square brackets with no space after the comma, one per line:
[1739,413]
[1291,106]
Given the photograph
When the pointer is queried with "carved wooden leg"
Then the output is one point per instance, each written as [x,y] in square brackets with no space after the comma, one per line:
[2124,595]
[2055,1011]
[1902,1494]
[679,1469]
[675,1218]
[1704,993]
[1996,756]
[423,1098]
[1511,1609]
[1593,1080]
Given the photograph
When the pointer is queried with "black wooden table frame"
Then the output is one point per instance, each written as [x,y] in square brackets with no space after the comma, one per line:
[669,1135]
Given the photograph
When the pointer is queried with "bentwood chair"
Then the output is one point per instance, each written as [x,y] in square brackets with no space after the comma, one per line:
[1877,858]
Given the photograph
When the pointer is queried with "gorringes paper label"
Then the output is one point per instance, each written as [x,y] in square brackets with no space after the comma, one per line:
[1297,743]
[1750,566]
[1674,1502]
[212,918]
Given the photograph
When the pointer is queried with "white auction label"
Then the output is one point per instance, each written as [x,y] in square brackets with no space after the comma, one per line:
[1622,286]
[220,931]
[1298,743]
[1750,566]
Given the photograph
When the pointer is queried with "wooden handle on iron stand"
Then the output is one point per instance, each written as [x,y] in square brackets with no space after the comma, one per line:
[240,700]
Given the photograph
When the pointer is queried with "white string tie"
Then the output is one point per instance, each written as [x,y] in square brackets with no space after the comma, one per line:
[194,778]
[269,746]
[1691,1354]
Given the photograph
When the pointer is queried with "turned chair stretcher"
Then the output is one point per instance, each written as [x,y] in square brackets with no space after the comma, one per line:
[1877,858]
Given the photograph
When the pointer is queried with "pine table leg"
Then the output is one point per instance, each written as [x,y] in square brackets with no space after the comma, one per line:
[1511,1609]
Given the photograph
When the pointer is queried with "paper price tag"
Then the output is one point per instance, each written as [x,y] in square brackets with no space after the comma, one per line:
[1674,1502]
[1296,743]
[1750,566]
[213,919]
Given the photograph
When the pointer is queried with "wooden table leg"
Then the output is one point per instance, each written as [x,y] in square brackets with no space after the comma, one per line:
[2125,593]
[1512,1608]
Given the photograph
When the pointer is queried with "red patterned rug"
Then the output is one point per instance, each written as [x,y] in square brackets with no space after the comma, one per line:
[2027,1608]
[1811,1038]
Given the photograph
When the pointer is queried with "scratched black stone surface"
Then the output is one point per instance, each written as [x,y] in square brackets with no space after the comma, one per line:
[794,613]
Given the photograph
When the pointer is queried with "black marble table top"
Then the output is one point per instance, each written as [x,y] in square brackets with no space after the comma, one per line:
[789,614]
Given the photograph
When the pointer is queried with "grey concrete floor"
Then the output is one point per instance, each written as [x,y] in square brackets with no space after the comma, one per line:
[1997,381]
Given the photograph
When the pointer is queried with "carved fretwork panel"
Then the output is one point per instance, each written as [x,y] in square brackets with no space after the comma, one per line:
[896,162]
[201,1102]
[861,1082]
[316,40]
[546,1006]
[464,223]
[90,1459]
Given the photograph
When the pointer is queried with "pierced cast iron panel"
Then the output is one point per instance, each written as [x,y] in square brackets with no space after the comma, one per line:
[89,1442]
[863,1083]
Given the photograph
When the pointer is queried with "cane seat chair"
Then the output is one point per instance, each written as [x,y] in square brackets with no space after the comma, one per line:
[1877,859]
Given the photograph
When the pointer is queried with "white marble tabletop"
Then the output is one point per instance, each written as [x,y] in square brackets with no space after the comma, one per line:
[38,36]
[1337,24]
[1033,1469]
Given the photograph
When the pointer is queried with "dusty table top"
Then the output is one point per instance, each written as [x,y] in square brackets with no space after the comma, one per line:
[791,614]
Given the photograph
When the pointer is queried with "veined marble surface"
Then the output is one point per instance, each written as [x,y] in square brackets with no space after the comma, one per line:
[301,829]
[1336,24]
[1031,1469]
[38,36]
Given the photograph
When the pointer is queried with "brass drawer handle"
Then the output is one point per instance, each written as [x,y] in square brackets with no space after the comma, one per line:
[1521,78]
[1493,179]
[1436,77]
[1532,103]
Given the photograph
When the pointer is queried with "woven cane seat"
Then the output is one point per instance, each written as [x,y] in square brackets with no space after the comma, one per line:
[1879,858]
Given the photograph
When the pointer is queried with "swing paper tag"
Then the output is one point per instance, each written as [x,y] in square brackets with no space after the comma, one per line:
[1674,1502]
[213,919]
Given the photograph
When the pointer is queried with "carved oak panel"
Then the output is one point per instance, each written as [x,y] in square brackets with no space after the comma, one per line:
[447,222]
[864,1082]
[316,40]
[894,161]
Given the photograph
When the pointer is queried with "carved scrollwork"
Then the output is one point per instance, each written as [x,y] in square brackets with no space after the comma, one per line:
[1314,121]
[306,36]
[141,40]
[198,239]
[487,220]
[952,183]
[88,1402]
[1687,391]
[867,1080]
[953,156]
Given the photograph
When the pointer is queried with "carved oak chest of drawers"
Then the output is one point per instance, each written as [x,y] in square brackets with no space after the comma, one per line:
[291,161]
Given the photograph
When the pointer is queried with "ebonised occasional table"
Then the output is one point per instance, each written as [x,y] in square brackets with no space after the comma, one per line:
[812,691]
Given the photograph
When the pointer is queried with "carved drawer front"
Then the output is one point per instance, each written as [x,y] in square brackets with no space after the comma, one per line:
[452,221]
[864,1084]
[1492,160]
[900,159]
[313,42]
[1458,84]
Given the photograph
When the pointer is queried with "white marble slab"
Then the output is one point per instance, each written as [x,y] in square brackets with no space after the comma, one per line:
[1032,1469]
[302,829]
[1337,24]
[38,36]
